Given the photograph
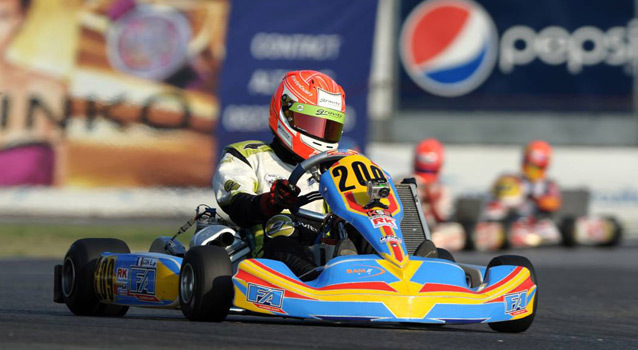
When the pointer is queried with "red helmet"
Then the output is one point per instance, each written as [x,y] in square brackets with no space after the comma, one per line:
[536,158]
[307,112]
[428,160]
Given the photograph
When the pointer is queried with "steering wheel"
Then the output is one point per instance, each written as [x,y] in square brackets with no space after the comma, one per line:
[308,165]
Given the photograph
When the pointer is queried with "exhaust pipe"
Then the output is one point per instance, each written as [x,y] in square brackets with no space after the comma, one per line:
[223,240]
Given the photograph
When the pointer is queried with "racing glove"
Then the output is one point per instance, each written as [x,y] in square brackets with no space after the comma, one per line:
[549,203]
[282,195]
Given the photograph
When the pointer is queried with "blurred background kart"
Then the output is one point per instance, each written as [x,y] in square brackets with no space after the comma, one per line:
[571,226]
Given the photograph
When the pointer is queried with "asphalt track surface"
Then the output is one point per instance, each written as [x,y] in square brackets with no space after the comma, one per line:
[588,300]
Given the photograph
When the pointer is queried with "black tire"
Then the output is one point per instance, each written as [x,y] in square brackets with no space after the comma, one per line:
[507,227]
[426,249]
[522,324]
[77,277]
[567,231]
[468,227]
[444,254]
[205,284]
[617,233]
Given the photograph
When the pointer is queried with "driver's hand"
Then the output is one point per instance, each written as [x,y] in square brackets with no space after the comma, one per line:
[282,195]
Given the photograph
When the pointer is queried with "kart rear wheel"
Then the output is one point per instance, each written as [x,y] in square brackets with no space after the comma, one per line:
[468,227]
[616,234]
[521,324]
[568,232]
[205,284]
[78,288]
[567,229]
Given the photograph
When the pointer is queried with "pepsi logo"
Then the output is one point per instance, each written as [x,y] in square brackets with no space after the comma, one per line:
[448,47]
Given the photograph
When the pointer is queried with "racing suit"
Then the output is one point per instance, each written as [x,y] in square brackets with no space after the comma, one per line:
[515,194]
[247,170]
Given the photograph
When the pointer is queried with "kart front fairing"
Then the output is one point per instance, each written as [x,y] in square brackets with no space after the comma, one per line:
[368,288]
[391,286]
[344,188]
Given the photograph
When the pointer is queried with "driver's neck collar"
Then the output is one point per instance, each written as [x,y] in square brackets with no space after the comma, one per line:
[284,153]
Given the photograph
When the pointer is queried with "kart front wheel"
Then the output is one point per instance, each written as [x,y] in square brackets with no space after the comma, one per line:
[205,284]
[444,254]
[78,290]
[426,249]
[522,324]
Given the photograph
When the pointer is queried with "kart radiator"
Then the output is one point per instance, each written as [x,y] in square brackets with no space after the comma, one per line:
[413,225]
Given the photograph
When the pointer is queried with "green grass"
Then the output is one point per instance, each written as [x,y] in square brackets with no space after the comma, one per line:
[53,240]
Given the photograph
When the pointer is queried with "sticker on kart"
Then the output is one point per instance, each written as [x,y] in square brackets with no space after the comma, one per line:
[265,298]
[351,176]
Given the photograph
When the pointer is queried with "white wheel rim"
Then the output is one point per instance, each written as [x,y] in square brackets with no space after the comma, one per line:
[68,277]
[187,283]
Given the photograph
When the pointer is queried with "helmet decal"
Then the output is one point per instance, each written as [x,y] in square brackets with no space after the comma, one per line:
[329,100]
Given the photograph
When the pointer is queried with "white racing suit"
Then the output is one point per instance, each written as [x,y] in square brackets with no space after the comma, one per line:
[247,170]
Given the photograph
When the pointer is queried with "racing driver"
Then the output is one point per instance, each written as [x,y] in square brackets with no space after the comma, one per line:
[539,197]
[435,197]
[307,114]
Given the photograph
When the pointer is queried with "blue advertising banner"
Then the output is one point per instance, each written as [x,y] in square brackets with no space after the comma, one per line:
[265,41]
[568,55]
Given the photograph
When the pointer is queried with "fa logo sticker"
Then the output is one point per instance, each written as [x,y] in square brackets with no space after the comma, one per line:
[515,303]
[142,281]
[264,295]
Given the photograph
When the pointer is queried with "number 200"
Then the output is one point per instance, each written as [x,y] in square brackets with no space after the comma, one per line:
[362,172]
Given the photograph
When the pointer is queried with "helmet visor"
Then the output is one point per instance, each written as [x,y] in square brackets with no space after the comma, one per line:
[322,123]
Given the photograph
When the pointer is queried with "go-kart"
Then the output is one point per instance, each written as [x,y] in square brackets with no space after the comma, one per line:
[510,220]
[404,281]
[527,232]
